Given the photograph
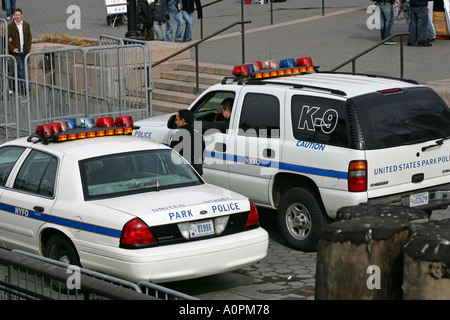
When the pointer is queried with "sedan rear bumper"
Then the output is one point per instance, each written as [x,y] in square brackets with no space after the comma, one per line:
[179,261]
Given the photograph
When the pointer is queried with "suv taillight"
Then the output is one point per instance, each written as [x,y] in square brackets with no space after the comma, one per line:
[136,234]
[253,217]
[357,176]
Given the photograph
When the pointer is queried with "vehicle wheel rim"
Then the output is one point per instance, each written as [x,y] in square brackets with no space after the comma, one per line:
[298,221]
[60,254]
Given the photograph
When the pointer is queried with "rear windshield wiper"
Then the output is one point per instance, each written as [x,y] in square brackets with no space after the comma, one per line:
[438,143]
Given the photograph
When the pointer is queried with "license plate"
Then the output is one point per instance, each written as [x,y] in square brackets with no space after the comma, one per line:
[201,228]
[418,199]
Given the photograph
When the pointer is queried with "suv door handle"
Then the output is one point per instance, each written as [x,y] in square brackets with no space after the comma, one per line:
[38,209]
[220,147]
[269,153]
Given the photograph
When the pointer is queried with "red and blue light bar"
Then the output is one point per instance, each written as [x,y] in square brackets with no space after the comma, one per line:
[67,129]
[274,68]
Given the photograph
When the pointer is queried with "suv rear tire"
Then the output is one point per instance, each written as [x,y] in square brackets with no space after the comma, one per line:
[300,219]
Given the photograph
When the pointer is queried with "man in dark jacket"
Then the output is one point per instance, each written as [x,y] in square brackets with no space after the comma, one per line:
[19,42]
[146,20]
[418,27]
[188,8]
[187,141]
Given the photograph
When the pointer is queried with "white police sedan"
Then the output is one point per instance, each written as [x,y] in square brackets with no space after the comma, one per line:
[110,202]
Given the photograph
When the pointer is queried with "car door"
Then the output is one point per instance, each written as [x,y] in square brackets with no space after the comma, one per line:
[8,158]
[27,200]
[256,142]
[217,156]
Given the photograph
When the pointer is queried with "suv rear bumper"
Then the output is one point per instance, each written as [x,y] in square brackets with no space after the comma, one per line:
[438,198]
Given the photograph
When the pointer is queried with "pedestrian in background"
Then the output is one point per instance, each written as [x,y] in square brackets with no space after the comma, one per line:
[418,26]
[10,8]
[173,9]
[159,20]
[431,32]
[145,20]
[386,19]
[19,42]
[187,10]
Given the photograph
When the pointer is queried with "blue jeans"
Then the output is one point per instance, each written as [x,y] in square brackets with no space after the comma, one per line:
[418,27]
[159,30]
[21,66]
[169,26]
[10,7]
[386,19]
[189,19]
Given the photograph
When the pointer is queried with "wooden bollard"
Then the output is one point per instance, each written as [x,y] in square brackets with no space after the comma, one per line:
[412,215]
[426,273]
[361,259]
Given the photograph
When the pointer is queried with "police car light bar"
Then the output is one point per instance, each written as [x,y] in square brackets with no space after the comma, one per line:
[67,129]
[274,68]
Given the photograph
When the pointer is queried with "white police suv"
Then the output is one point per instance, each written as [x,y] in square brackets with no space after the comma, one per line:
[98,197]
[308,143]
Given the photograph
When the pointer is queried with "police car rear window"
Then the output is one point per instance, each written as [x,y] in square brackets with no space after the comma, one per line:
[136,172]
[401,117]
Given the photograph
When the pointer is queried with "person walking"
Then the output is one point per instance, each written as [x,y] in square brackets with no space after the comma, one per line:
[172,8]
[386,19]
[187,10]
[19,41]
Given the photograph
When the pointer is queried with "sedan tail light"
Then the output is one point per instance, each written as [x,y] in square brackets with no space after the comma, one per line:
[253,217]
[136,234]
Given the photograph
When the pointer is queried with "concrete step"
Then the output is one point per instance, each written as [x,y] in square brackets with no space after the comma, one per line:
[175,86]
[167,106]
[180,86]
[174,96]
[210,68]
[187,76]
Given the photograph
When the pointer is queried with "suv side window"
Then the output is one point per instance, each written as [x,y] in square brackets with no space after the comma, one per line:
[37,174]
[319,120]
[8,157]
[260,116]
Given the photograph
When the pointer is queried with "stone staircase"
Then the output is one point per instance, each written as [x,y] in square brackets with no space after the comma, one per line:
[174,83]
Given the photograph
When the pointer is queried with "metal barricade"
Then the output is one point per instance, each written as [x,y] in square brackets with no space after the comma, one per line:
[27,276]
[116,80]
[13,116]
[112,79]
[55,85]
[3,36]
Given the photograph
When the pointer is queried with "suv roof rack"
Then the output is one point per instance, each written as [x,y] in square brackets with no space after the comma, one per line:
[372,76]
[295,85]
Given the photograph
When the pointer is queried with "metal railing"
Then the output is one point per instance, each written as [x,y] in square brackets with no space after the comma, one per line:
[196,44]
[353,59]
[27,276]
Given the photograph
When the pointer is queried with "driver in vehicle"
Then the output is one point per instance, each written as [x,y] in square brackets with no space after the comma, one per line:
[227,106]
